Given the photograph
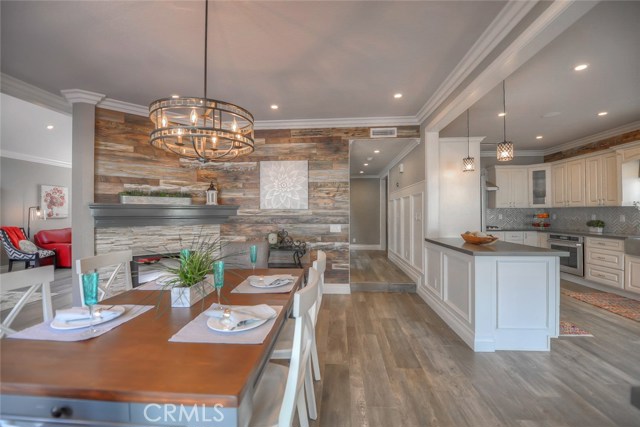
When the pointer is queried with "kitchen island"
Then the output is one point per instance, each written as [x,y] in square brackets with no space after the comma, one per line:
[503,296]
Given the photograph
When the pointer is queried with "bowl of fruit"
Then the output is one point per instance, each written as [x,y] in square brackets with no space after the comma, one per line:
[478,238]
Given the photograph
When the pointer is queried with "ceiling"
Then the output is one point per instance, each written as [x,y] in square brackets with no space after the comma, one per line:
[607,38]
[322,60]
[364,151]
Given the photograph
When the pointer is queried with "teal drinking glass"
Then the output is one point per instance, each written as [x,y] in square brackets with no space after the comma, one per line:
[253,256]
[90,292]
[184,256]
[218,278]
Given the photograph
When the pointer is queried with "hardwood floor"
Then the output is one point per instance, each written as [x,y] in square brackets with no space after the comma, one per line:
[371,271]
[388,360]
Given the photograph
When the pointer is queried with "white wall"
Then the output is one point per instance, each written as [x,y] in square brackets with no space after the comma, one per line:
[406,229]
[459,192]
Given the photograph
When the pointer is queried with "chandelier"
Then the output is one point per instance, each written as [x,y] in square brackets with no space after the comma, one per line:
[200,128]
[468,163]
[504,150]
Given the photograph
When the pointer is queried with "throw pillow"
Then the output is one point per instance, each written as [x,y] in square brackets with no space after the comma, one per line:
[27,246]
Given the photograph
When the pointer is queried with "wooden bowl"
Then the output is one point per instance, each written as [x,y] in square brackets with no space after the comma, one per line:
[470,238]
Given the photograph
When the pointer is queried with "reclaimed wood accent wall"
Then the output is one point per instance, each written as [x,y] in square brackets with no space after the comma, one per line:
[124,159]
[594,146]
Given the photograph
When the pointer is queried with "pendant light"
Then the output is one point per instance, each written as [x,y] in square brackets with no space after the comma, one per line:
[201,128]
[468,163]
[504,150]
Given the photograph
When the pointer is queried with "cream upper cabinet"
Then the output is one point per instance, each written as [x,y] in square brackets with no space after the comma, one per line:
[512,187]
[602,180]
[539,186]
[568,183]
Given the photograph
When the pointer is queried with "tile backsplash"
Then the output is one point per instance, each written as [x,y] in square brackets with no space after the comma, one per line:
[569,218]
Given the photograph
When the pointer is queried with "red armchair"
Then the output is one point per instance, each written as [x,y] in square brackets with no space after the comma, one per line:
[58,240]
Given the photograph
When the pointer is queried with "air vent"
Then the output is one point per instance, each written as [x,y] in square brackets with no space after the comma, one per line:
[383,132]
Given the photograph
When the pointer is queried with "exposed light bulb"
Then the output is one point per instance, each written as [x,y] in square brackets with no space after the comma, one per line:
[194,117]
[234,126]
[214,141]
[164,121]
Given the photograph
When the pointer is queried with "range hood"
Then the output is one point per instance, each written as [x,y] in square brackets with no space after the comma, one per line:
[490,186]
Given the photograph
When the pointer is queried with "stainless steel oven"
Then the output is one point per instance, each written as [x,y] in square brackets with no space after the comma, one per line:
[574,263]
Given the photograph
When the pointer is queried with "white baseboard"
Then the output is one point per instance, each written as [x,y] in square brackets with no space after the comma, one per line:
[598,286]
[337,289]
[409,270]
[365,247]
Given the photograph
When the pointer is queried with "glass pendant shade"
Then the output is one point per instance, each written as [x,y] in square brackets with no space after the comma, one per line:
[200,128]
[504,152]
[468,164]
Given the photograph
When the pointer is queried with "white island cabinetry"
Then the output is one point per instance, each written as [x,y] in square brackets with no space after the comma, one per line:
[499,297]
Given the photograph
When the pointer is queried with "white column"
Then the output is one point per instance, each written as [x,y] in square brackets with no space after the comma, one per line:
[432,183]
[82,176]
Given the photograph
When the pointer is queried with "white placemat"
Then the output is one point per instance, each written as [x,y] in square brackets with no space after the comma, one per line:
[246,288]
[198,331]
[44,332]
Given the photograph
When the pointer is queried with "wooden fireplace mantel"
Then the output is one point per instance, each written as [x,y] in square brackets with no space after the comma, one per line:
[129,215]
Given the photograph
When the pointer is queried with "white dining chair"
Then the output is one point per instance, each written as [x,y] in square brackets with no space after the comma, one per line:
[30,281]
[280,389]
[283,345]
[120,260]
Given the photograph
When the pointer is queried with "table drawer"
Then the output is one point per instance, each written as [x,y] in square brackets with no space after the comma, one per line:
[604,258]
[604,275]
[611,244]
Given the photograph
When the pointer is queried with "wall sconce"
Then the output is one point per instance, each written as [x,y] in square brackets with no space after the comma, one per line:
[29,215]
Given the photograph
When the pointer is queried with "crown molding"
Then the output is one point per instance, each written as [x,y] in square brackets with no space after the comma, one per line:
[124,107]
[508,17]
[337,123]
[413,143]
[84,96]
[517,153]
[593,138]
[33,94]
[463,139]
[34,159]
[553,21]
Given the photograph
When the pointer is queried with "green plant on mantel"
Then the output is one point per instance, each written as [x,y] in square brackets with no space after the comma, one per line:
[595,223]
[152,193]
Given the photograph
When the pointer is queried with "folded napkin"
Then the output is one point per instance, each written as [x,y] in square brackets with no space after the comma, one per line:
[243,315]
[81,313]
[275,280]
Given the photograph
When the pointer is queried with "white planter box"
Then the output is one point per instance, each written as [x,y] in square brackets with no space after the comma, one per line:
[147,200]
[186,297]
[596,229]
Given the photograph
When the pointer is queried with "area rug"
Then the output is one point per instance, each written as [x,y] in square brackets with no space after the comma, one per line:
[10,298]
[617,304]
[568,329]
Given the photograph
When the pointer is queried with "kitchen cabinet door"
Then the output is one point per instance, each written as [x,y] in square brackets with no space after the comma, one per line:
[531,238]
[514,237]
[519,184]
[611,173]
[632,274]
[543,240]
[593,190]
[575,188]
[503,194]
[512,187]
[559,184]
[539,186]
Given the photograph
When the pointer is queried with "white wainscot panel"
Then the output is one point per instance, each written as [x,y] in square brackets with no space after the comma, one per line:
[457,285]
[406,229]
[416,232]
[523,294]
[433,275]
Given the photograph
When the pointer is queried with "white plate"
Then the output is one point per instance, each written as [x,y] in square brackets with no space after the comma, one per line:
[217,325]
[267,282]
[79,324]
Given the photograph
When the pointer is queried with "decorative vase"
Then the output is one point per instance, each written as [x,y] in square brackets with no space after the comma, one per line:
[186,297]
[596,229]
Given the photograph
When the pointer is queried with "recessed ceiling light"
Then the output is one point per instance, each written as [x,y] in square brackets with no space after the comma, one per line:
[376,151]
[369,159]
[581,67]
[366,164]
[502,114]
[49,127]
[397,96]
[539,137]
[175,96]
[361,171]
[602,113]
[274,107]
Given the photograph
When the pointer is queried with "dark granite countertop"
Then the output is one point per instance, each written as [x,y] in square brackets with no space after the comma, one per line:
[574,232]
[498,248]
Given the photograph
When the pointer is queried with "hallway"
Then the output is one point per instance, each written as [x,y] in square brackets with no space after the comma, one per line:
[371,271]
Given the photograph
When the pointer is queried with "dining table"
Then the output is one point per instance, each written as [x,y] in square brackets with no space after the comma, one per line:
[134,375]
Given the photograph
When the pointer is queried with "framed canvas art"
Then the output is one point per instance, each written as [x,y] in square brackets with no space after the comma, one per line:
[284,185]
[54,200]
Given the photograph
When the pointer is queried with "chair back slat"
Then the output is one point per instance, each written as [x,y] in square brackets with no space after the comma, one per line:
[121,260]
[320,264]
[33,279]
[303,305]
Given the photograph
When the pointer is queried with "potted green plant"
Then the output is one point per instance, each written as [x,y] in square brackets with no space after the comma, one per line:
[142,197]
[595,226]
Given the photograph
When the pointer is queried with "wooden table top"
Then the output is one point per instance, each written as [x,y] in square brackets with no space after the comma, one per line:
[135,362]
